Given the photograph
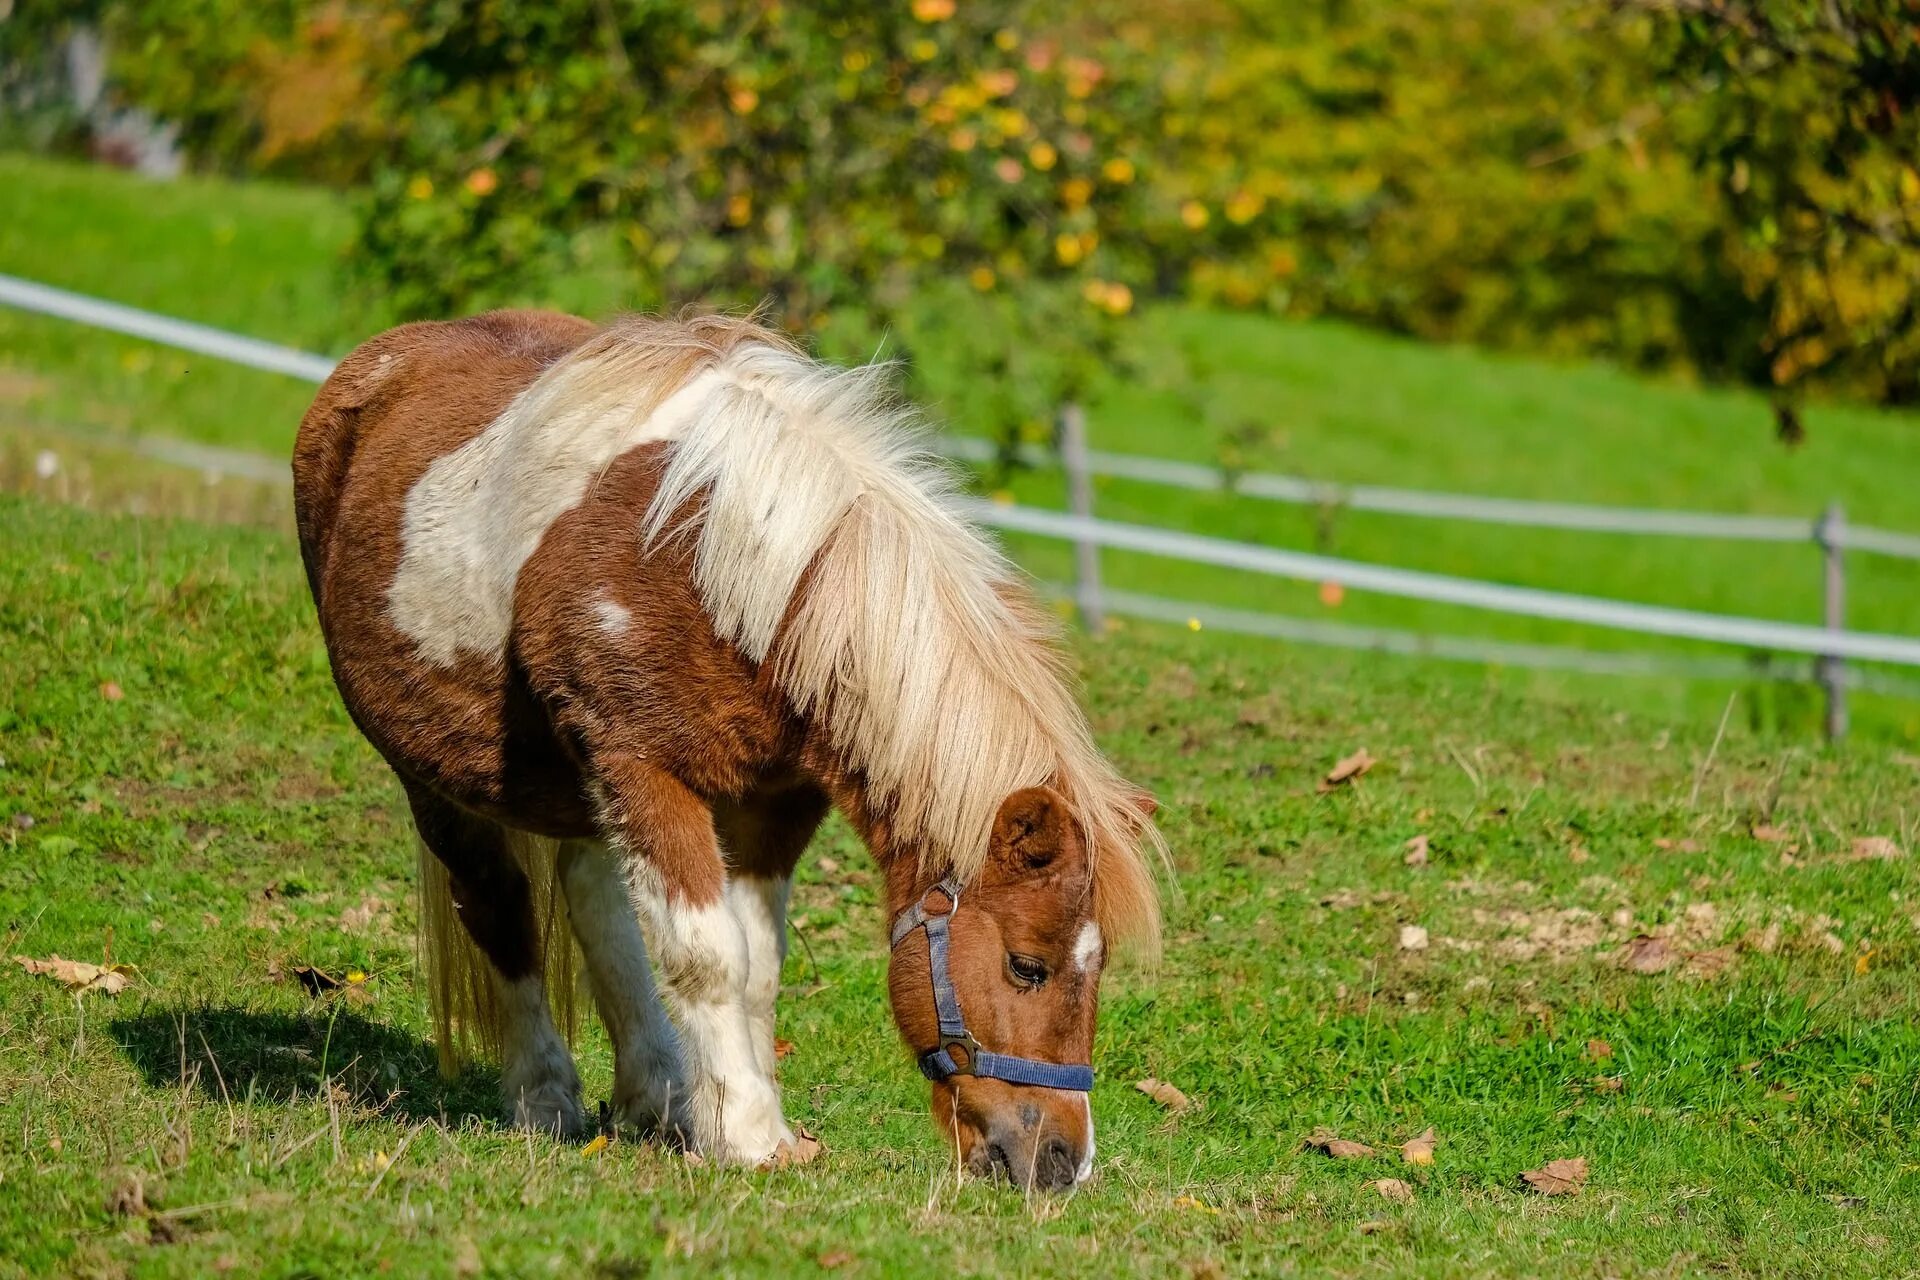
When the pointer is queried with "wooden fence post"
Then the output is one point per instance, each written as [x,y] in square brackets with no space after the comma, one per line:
[1072,429]
[1831,536]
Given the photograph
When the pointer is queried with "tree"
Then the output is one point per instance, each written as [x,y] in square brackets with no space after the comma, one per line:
[1806,114]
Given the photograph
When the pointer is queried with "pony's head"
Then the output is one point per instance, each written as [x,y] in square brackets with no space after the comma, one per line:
[995,984]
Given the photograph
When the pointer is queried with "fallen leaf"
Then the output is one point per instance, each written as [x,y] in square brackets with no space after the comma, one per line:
[1558,1177]
[1768,834]
[111,691]
[1417,850]
[804,1149]
[1862,962]
[1419,1150]
[1609,1084]
[78,976]
[827,865]
[1347,770]
[1876,849]
[1647,954]
[1373,1226]
[1393,1189]
[1599,1050]
[1336,1146]
[316,981]
[834,1259]
[782,1048]
[1188,1202]
[1413,937]
[595,1147]
[1165,1094]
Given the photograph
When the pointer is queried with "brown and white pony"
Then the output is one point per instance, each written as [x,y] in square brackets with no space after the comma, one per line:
[627,609]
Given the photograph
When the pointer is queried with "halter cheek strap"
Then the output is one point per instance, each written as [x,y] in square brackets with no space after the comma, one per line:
[958,1053]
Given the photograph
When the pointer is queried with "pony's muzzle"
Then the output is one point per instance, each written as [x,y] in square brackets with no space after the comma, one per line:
[1042,1161]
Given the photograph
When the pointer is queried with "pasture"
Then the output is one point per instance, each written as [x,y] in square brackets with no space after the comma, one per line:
[1687,957]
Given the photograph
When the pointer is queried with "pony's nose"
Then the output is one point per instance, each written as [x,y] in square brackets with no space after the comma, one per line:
[1049,1164]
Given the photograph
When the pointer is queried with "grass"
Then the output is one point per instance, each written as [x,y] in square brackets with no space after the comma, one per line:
[1753,1112]
[1320,400]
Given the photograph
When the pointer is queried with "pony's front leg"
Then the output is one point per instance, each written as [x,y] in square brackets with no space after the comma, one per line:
[678,888]
[764,838]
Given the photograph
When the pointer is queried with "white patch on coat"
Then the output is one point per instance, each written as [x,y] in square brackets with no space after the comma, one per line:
[536,1072]
[476,515]
[759,903]
[649,1088]
[613,617]
[1087,947]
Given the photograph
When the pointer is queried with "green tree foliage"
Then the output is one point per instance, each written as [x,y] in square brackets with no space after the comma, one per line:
[1806,114]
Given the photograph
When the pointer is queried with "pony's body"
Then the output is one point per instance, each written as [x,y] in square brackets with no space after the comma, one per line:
[660,594]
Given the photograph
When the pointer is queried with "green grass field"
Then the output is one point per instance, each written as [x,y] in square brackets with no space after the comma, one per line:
[1752,1111]
[1312,399]
[1747,1107]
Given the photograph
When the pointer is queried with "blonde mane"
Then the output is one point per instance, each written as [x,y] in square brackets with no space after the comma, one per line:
[827,543]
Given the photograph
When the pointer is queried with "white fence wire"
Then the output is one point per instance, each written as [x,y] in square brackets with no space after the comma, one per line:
[1829,644]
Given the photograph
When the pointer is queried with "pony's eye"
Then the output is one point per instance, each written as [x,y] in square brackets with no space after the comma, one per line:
[1026,971]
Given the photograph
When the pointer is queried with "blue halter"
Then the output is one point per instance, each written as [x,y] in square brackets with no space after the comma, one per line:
[943,1062]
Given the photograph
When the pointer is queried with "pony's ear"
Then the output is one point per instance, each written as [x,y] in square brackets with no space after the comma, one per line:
[1145,805]
[1032,830]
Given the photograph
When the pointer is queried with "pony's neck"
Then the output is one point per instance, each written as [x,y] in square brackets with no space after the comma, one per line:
[907,871]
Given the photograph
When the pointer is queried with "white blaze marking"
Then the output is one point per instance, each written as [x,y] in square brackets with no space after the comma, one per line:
[1085,1170]
[1086,948]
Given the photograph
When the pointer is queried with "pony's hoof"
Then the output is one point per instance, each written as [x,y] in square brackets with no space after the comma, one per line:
[655,1111]
[553,1112]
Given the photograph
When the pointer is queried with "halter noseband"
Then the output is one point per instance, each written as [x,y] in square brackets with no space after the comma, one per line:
[941,1062]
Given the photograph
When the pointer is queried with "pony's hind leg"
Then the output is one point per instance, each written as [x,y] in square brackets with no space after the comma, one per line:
[649,1088]
[494,901]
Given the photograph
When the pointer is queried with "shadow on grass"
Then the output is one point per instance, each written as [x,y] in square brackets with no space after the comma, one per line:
[224,1053]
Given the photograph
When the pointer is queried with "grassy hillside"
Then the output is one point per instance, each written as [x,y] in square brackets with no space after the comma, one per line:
[1318,400]
[1748,1109]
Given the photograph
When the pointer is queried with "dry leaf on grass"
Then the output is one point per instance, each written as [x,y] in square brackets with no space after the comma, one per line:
[111,691]
[1393,1189]
[1336,1146]
[1198,1206]
[1599,1050]
[1346,770]
[1417,851]
[1647,954]
[1165,1094]
[834,1259]
[1558,1177]
[1609,1084]
[1875,849]
[782,1048]
[1767,833]
[594,1148]
[79,976]
[1413,938]
[804,1149]
[1419,1150]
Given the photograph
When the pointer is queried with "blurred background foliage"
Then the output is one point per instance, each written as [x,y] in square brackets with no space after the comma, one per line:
[992,189]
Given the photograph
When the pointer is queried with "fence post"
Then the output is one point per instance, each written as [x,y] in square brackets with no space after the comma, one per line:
[1831,536]
[1072,428]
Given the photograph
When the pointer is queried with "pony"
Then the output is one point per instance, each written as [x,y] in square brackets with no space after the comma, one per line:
[627,609]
